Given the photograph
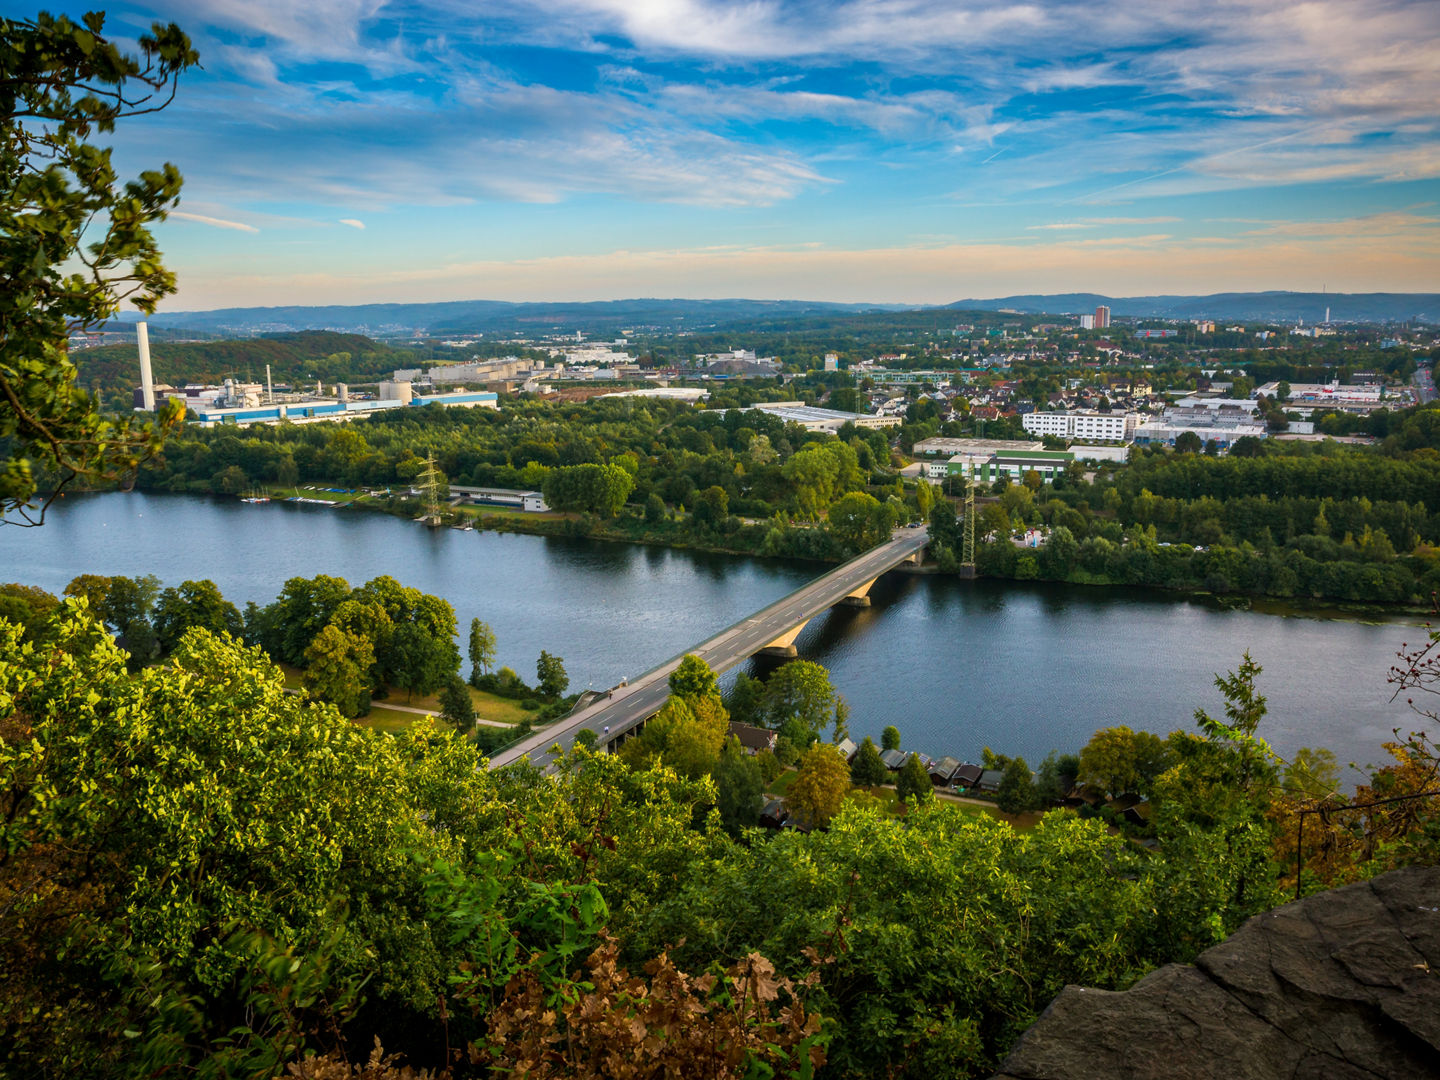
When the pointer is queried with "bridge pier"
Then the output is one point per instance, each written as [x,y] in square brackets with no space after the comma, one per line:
[859,597]
[784,645]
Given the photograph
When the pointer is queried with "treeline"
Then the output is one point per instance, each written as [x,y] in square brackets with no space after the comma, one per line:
[204,874]
[1353,525]
[743,481]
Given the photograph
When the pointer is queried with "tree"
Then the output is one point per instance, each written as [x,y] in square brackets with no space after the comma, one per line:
[820,786]
[1057,776]
[913,784]
[1119,761]
[28,607]
[456,706]
[124,604]
[298,613]
[1017,788]
[746,700]
[693,678]
[337,670]
[739,788]
[482,650]
[654,509]
[73,246]
[550,676]
[419,662]
[800,691]
[1313,774]
[194,604]
[859,521]
[679,737]
[890,738]
[866,768]
[1187,442]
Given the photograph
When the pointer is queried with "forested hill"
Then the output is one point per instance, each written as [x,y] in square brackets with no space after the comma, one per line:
[614,316]
[1283,307]
[501,316]
[304,356]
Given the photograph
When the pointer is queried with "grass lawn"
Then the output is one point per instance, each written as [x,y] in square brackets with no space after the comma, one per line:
[383,719]
[487,706]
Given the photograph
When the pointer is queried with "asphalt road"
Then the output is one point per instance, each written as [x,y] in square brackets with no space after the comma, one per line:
[1425,384]
[643,696]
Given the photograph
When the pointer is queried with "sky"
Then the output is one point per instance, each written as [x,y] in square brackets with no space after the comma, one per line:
[899,151]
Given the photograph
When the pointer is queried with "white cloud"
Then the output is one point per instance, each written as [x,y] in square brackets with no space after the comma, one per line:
[354,223]
[219,223]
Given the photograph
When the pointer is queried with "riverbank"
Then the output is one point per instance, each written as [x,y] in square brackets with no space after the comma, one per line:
[673,535]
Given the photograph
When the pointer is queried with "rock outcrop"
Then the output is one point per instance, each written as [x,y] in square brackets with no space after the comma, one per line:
[1341,985]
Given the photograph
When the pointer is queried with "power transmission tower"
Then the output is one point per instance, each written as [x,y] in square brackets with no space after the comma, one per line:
[967,544]
[429,481]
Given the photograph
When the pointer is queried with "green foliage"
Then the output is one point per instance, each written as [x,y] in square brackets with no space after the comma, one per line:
[1312,774]
[866,768]
[73,244]
[800,693]
[693,678]
[337,668]
[194,605]
[550,677]
[948,935]
[913,784]
[890,738]
[1117,761]
[456,706]
[482,649]
[1017,788]
[820,786]
[739,787]
[600,489]
[27,607]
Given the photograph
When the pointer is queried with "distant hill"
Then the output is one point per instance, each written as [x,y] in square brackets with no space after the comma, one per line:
[1283,307]
[492,316]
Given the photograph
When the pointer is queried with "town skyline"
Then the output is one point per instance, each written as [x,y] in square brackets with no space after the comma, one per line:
[888,152]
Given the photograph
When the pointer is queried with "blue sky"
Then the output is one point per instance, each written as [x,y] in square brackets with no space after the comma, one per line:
[346,151]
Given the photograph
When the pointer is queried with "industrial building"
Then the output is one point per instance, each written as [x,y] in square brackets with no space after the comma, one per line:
[1012,463]
[333,409]
[813,418]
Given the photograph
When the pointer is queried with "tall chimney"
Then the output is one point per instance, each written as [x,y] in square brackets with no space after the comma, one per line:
[269,390]
[147,381]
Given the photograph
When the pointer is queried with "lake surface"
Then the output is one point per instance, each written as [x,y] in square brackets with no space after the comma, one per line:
[1022,668]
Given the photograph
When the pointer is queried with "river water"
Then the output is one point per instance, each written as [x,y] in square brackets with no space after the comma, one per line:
[1022,668]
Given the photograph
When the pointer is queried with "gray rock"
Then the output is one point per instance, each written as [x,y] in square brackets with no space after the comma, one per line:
[1336,986]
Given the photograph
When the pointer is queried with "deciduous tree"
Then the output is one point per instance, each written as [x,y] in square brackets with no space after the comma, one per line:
[821,785]
[482,650]
[73,244]
[550,677]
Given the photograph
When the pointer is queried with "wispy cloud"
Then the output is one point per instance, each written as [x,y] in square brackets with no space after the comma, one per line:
[354,223]
[219,223]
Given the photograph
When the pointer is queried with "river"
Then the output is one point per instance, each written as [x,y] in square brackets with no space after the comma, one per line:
[956,666]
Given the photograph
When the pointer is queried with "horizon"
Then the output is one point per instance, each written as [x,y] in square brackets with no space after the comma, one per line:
[869,151]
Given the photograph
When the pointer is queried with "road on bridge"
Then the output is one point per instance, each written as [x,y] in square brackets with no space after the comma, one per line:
[643,697]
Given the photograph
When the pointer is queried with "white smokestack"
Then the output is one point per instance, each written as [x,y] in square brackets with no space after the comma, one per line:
[147,381]
[269,390]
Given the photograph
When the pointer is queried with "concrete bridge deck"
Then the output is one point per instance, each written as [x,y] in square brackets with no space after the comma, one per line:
[775,626]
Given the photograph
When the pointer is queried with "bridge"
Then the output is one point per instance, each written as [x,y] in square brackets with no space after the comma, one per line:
[772,630]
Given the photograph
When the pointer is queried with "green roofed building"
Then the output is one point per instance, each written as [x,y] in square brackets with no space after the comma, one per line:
[1015,464]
